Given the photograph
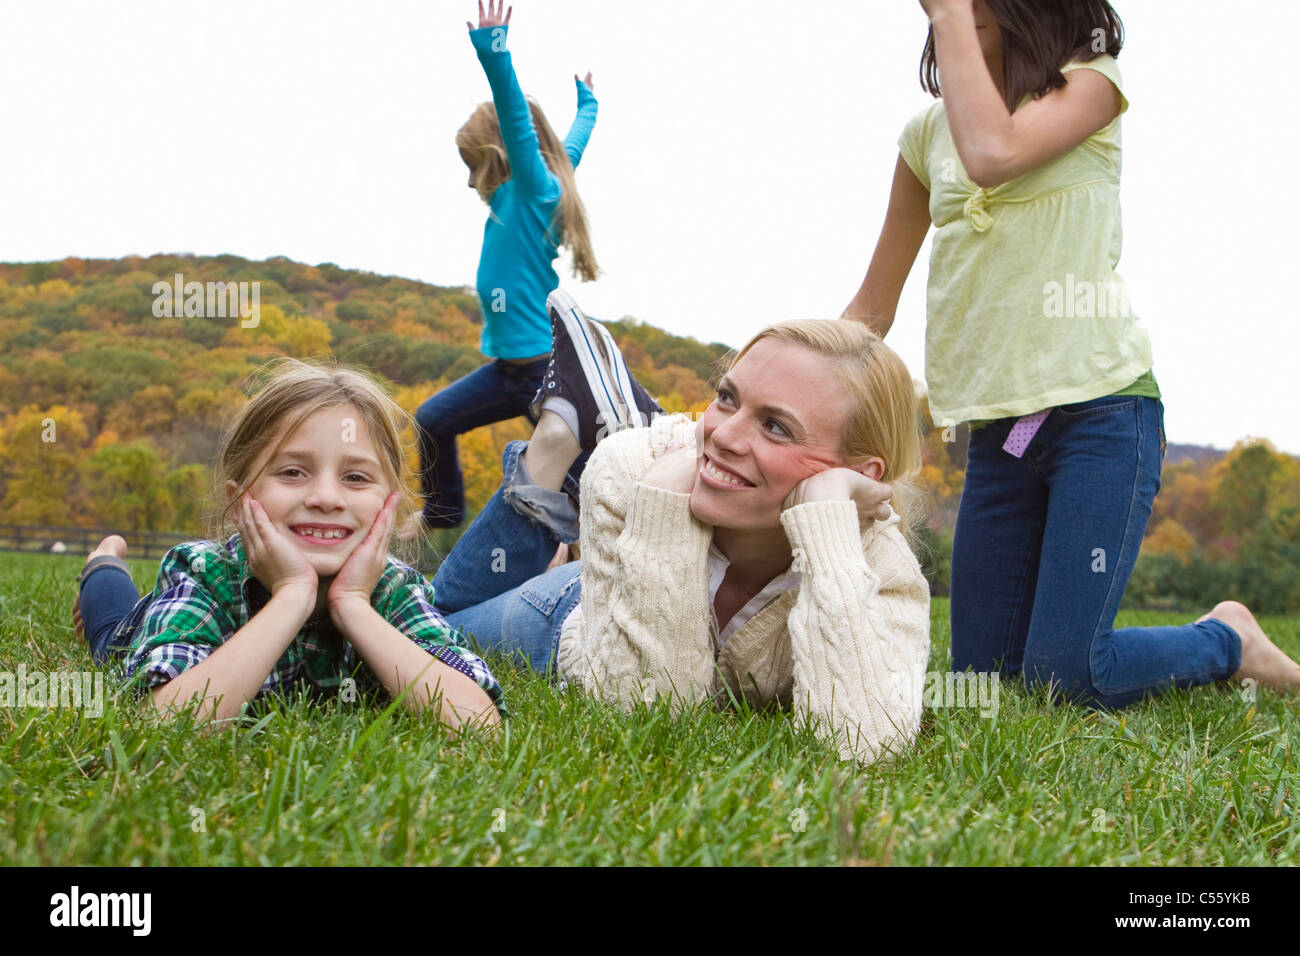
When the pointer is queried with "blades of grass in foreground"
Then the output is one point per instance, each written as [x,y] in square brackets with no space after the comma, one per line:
[1204,777]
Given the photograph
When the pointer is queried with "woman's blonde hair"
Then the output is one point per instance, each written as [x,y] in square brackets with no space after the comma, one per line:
[287,391]
[480,145]
[884,422]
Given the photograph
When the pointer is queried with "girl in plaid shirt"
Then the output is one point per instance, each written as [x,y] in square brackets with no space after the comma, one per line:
[311,472]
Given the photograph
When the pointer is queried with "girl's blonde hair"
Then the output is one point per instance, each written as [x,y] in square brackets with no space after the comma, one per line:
[286,392]
[884,422]
[481,146]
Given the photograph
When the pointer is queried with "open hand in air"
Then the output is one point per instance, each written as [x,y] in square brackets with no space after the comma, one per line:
[493,16]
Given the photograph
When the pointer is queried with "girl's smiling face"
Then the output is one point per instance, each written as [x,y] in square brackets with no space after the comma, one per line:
[778,418]
[324,486]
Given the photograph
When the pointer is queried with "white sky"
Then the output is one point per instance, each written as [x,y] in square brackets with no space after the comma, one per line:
[737,176]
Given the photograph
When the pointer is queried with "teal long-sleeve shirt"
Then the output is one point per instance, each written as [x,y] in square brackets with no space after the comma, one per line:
[521,238]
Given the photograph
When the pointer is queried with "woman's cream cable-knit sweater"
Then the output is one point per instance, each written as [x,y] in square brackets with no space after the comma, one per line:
[848,648]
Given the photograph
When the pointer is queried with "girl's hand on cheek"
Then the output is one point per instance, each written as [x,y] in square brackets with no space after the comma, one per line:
[273,558]
[843,484]
[357,578]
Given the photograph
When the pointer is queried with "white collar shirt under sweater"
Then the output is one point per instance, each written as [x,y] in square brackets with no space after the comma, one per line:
[718,564]
[848,647]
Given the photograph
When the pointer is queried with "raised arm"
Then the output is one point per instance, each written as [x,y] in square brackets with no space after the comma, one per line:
[859,634]
[575,141]
[646,625]
[527,167]
[906,222]
[994,145]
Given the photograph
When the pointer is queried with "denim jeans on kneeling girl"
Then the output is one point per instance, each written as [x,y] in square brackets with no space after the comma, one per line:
[494,585]
[1044,547]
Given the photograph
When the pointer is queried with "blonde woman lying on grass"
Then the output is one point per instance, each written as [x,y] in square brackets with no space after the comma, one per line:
[757,553]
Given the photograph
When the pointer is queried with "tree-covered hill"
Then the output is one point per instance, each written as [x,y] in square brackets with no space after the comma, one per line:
[111,401]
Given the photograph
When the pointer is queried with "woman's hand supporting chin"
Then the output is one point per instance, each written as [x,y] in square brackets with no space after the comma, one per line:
[843,484]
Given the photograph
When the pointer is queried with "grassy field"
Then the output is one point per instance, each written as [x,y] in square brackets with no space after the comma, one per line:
[1205,777]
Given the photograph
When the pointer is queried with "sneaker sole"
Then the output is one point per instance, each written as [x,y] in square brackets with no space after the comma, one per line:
[601,381]
[632,415]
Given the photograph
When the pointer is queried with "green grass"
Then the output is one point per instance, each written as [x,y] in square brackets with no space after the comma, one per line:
[1204,777]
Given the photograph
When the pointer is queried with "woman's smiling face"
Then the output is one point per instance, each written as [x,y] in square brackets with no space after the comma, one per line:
[778,418]
[324,486]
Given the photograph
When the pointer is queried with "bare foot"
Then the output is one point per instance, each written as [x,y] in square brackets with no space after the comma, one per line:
[115,545]
[1261,659]
[412,528]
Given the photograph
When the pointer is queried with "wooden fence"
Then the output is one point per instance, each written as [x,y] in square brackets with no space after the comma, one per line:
[56,539]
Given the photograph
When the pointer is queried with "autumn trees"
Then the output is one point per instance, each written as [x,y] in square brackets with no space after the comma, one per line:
[111,403]
[1225,530]
[110,412]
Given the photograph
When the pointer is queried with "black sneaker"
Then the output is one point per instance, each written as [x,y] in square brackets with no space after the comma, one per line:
[587,370]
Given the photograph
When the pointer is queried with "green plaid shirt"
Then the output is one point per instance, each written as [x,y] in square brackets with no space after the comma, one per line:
[205,593]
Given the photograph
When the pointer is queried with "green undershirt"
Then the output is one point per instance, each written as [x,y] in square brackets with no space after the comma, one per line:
[1145,387]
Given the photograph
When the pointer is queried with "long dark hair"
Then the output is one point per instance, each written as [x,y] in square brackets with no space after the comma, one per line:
[1038,38]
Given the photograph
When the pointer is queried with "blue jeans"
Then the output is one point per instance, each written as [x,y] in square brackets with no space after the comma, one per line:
[494,585]
[491,393]
[1044,547]
[111,611]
